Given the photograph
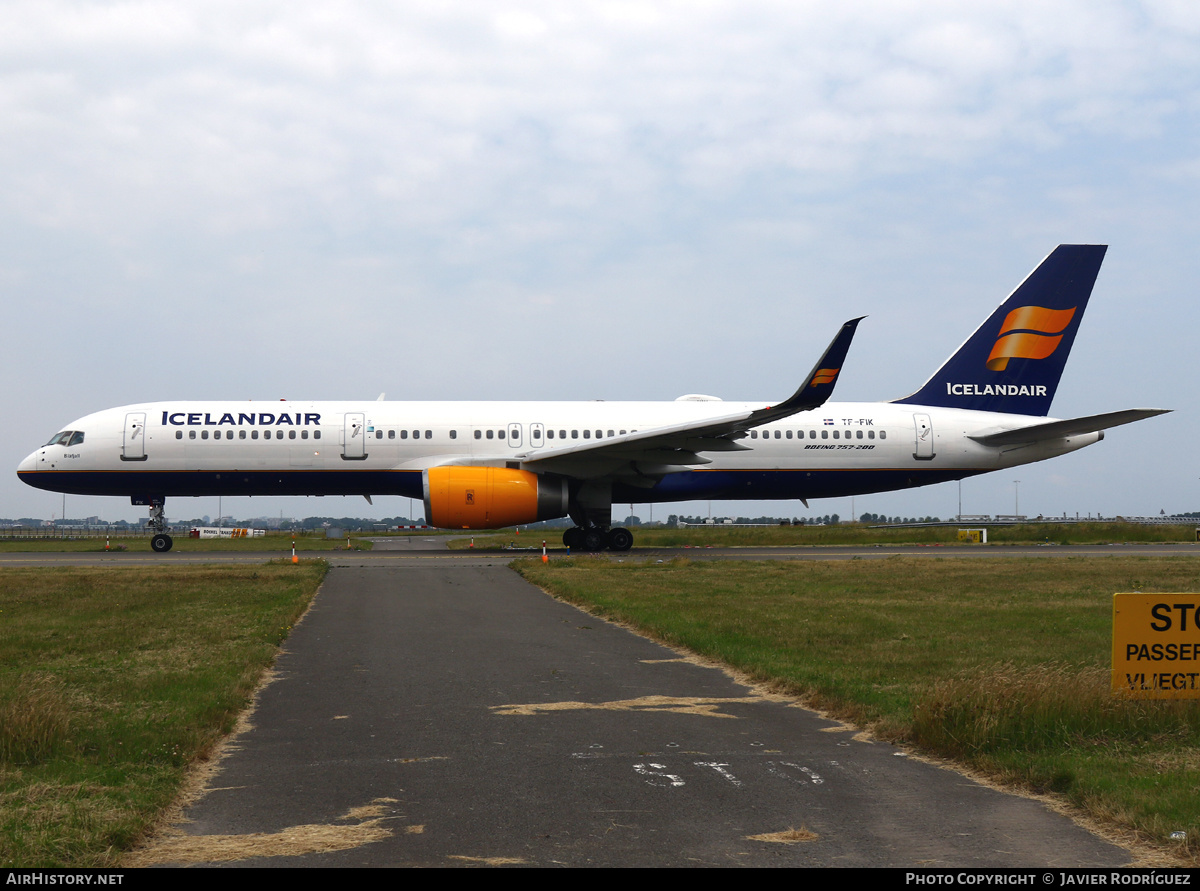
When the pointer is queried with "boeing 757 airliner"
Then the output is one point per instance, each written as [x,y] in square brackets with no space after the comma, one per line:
[484,465]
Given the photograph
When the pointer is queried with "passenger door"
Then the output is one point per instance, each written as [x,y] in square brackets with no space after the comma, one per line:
[924,434]
[134,442]
[354,437]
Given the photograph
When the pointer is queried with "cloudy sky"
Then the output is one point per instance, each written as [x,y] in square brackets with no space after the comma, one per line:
[609,200]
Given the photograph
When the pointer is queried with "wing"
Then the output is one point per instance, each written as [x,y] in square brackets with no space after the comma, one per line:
[1058,429]
[650,454]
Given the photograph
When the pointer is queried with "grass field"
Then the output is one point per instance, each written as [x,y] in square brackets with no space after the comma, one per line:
[999,664]
[269,542]
[853,534]
[113,682]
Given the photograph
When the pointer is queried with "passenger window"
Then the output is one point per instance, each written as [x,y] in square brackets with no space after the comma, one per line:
[574,434]
[537,434]
[254,434]
[454,434]
[316,434]
[858,434]
[500,434]
[754,434]
[870,434]
[404,434]
[789,434]
[587,434]
[562,434]
[479,434]
[391,434]
[429,434]
[835,433]
[304,434]
[610,433]
[549,434]
[292,434]
[883,434]
[778,435]
[379,434]
[824,434]
[491,434]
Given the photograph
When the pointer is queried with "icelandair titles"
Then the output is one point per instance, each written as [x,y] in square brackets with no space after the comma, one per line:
[993,390]
[261,419]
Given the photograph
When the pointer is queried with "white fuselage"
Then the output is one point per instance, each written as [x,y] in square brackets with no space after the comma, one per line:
[381,448]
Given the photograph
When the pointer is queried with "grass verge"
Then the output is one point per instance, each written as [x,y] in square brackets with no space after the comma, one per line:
[113,682]
[853,534]
[270,542]
[999,664]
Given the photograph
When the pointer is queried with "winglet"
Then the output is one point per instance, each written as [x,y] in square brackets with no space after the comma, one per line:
[819,384]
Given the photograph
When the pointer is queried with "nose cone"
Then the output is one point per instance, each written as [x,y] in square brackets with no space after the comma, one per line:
[27,467]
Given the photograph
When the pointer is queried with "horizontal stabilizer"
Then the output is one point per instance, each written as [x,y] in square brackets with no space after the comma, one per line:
[1073,427]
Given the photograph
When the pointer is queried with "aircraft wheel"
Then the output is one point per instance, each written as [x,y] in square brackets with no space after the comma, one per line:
[161,543]
[593,540]
[620,539]
[571,537]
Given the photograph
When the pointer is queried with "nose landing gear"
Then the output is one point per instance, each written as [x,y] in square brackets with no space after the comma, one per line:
[160,542]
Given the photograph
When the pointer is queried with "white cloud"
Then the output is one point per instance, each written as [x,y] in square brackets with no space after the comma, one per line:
[254,189]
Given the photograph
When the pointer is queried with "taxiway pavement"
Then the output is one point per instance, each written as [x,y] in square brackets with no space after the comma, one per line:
[443,712]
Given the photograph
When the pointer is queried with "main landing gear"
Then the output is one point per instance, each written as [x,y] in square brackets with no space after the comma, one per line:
[160,542]
[590,509]
[595,538]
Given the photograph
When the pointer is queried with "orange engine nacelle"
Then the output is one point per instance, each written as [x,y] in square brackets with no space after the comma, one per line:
[491,497]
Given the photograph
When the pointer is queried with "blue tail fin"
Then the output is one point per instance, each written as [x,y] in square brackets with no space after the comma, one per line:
[1013,361]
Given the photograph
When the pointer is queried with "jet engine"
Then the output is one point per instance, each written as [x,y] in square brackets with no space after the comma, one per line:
[491,497]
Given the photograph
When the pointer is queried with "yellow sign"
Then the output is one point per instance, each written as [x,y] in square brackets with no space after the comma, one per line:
[1156,646]
[978,536]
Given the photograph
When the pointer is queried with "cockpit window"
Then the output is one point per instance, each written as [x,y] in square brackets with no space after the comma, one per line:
[67,437]
[76,438]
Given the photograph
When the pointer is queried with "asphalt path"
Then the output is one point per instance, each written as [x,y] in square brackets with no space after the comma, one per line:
[444,712]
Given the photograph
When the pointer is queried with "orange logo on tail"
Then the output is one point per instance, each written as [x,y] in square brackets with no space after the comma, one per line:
[1029,332]
[824,376]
